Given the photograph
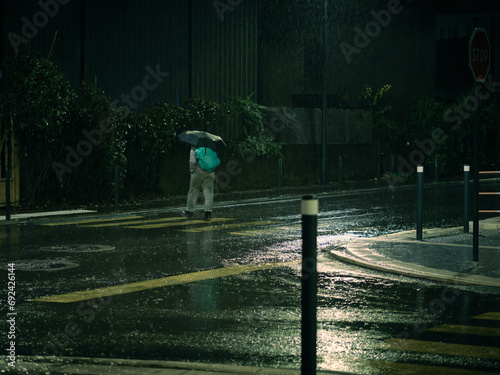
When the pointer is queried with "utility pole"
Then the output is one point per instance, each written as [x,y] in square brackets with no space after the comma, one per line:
[323,124]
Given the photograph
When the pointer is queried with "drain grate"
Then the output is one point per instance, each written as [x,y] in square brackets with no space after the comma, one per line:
[78,248]
[40,265]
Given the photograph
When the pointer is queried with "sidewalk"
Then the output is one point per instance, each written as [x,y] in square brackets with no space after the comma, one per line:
[221,198]
[443,255]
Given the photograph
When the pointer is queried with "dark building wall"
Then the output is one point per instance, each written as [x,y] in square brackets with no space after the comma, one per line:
[453,32]
[120,41]
[28,29]
[224,50]
[124,42]
[203,54]
[270,48]
[401,52]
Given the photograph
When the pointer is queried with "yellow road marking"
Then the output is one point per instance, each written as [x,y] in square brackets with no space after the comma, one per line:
[421,346]
[185,222]
[226,226]
[416,369]
[92,221]
[489,316]
[466,330]
[135,222]
[287,231]
[157,283]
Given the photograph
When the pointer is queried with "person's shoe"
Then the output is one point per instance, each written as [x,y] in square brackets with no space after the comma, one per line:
[187,214]
[208,216]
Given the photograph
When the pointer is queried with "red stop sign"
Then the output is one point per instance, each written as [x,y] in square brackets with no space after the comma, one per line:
[479,54]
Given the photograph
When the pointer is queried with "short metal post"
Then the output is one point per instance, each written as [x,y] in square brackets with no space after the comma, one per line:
[7,195]
[280,175]
[340,172]
[436,167]
[420,200]
[391,169]
[117,186]
[466,197]
[475,197]
[309,283]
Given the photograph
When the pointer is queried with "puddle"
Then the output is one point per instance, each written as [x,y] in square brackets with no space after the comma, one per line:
[40,265]
[78,248]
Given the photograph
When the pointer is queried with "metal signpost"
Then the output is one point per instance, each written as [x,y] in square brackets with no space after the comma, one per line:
[325,104]
[479,62]
[466,197]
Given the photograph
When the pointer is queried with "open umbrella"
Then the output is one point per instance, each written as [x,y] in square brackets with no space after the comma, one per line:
[199,138]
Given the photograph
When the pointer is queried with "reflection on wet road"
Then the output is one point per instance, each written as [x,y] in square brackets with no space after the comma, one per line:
[153,285]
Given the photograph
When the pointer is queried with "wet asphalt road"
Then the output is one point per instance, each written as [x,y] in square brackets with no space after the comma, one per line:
[248,317]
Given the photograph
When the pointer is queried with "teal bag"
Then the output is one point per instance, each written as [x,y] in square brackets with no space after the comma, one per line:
[207,158]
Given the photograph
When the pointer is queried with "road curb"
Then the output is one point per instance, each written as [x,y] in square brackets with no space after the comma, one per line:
[360,252]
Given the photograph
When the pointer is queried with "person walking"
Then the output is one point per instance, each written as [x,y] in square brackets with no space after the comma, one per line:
[202,162]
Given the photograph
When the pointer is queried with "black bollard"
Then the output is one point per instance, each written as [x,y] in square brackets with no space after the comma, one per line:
[391,171]
[7,195]
[420,200]
[341,167]
[466,197]
[436,168]
[309,283]
[280,175]
[117,186]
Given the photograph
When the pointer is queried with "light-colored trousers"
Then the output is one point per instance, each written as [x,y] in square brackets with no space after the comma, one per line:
[201,180]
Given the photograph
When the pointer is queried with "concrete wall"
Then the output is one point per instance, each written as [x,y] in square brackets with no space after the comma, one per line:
[304,125]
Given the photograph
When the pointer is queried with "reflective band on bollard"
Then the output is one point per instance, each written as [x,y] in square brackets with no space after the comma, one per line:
[309,283]
[309,205]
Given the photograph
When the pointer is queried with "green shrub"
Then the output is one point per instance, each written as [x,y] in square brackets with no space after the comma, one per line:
[204,114]
[249,115]
[151,138]
[97,133]
[69,142]
[253,142]
[35,99]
